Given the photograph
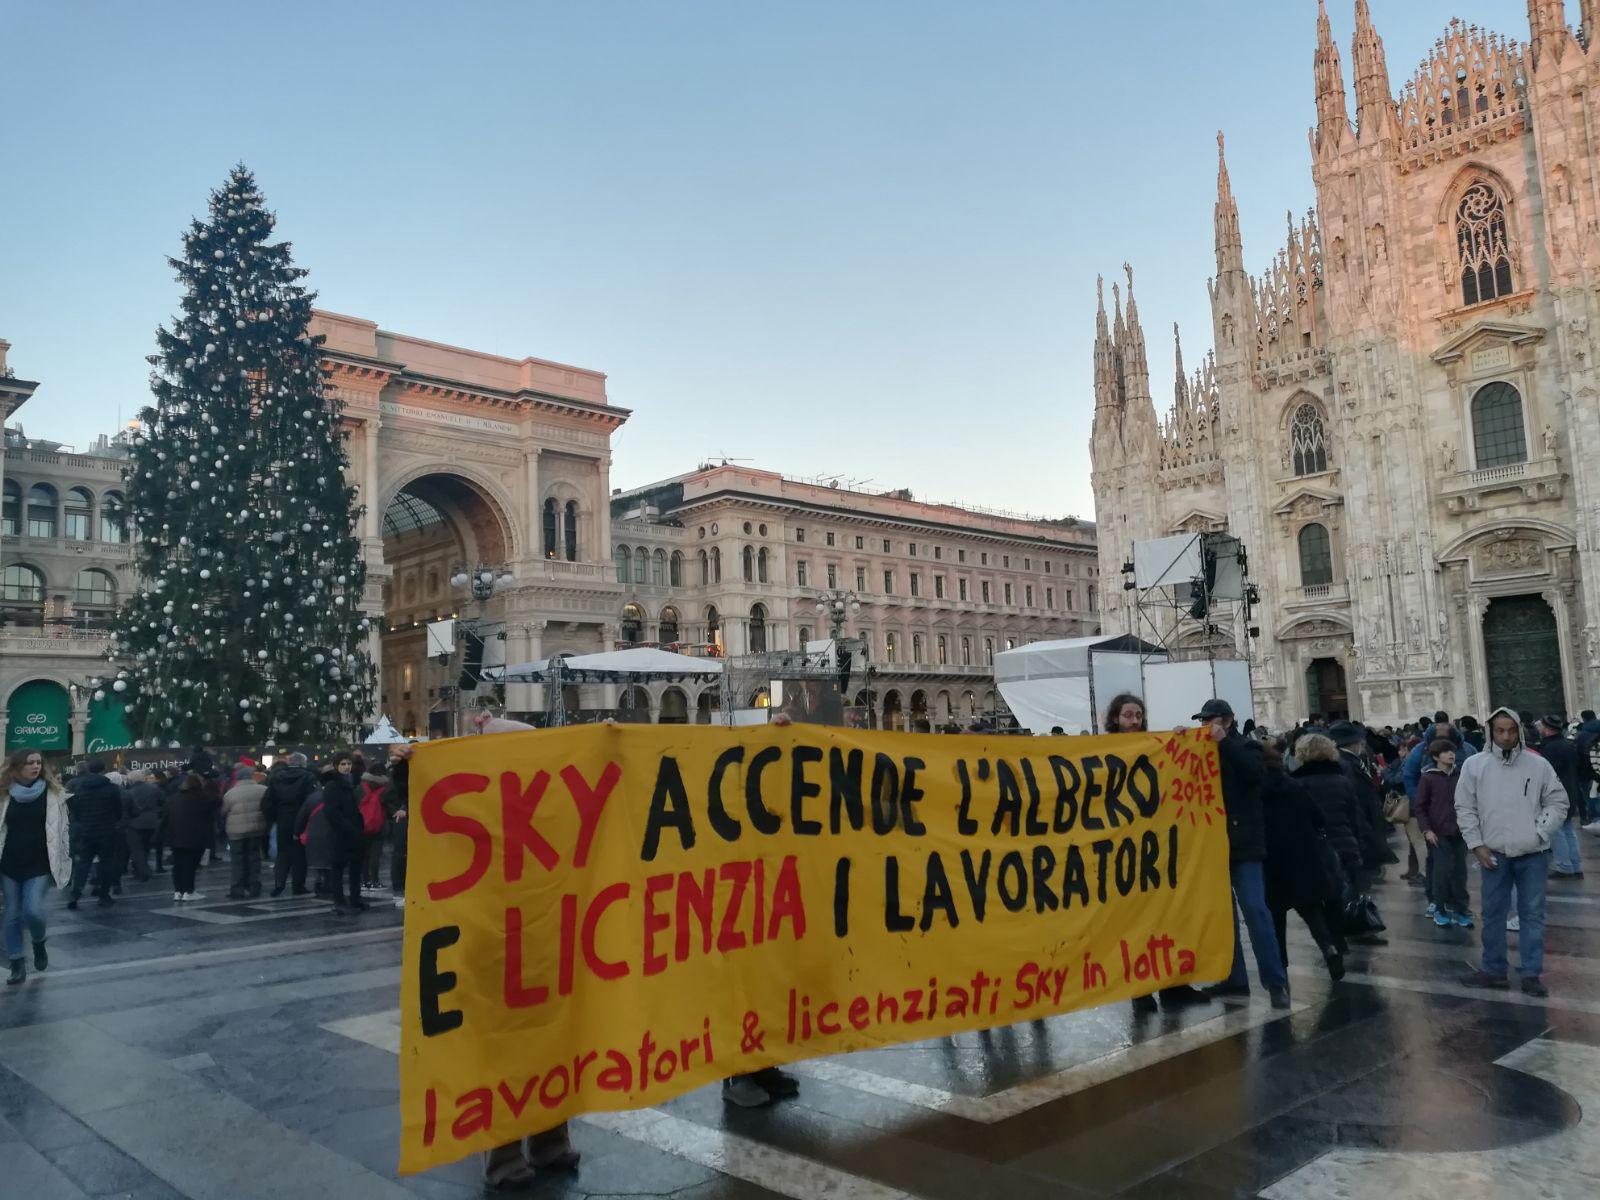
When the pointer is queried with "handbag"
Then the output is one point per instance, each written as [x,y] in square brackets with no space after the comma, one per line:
[1397,808]
[1361,916]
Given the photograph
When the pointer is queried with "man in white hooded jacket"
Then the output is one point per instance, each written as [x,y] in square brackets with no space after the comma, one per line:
[1509,803]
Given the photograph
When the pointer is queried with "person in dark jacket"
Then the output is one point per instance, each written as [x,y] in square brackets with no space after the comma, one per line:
[1436,813]
[94,812]
[1300,871]
[289,785]
[191,822]
[1371,828]
[1561,752]
[343,812]
[396,805]
[144,803]
[1243,771]
[316,839]
[1330,789]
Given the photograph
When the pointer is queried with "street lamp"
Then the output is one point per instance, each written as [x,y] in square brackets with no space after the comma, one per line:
[836,605]
[485,579]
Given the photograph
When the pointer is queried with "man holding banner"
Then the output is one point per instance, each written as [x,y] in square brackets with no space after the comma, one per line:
[603,917]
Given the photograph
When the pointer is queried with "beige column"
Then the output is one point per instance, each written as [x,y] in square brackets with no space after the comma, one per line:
[534,507]
[602,512]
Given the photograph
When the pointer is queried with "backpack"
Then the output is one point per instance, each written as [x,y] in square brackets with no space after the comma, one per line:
[371,809]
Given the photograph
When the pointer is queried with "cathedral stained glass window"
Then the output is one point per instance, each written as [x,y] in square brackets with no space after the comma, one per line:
[1484,246]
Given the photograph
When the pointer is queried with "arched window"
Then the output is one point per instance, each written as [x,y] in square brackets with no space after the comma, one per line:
[805,636]
[705,568]
[1316,556]
[11,510]
[669,625]
[713,625]
[641,565]
[570,530]
[716,564]
[1484,245]
[550,544]
[1308,440]
[78,514]
[916,647]
[1498,438]
[761,566]
[95,589]
[749,565]
[21,585]
[113,518]
[758,627]
[623,557]
[675,574]
[889,646]
[41,511]
[658,569]
[632,623]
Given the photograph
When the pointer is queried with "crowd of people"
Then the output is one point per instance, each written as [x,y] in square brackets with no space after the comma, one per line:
[324,832]
[1310,815]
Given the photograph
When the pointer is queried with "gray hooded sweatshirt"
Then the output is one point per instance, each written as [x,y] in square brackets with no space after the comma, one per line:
[1509,800]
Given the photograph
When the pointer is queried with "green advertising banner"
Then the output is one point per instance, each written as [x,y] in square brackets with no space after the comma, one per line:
[38,717]
[107,728]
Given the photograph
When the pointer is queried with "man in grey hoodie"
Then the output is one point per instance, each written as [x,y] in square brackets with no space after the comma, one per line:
[1509,803]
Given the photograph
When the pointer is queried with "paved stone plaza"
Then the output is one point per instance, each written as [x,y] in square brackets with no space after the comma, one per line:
[226,1050]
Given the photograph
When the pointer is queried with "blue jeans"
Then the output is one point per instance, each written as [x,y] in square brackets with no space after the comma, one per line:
[24,903]
[1528,874]
[1250,894]
[1565,847]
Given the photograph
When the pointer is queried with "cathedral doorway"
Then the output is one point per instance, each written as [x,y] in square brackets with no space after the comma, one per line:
[1522,656]
[1325,689]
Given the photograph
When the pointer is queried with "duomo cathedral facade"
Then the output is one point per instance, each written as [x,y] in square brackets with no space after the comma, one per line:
[1400,417]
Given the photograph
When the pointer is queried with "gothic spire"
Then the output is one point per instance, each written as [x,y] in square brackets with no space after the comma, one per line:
[1375,117]
[1230,248]
[1105,372]
[1180,386]
[1333,113]
[1547,23]
[1135,366]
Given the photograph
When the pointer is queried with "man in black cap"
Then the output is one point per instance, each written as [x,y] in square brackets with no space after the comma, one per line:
[1244,770]
[1374,830]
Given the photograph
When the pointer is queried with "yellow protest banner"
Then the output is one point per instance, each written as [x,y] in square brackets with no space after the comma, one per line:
[603,917]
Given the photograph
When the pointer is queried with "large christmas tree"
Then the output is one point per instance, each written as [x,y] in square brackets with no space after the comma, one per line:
[245,627]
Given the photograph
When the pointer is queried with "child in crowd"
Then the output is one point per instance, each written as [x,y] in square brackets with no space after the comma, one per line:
[1435,811]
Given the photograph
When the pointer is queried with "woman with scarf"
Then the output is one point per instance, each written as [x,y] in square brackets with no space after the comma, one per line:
[33,852]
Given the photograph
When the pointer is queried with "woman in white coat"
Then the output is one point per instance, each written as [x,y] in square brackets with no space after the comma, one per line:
[33,853]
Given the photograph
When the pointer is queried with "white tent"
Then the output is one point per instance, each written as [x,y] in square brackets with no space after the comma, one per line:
[637,665]
[384,734]
[1068,682]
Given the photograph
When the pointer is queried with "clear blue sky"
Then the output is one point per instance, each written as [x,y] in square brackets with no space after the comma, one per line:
[848,237]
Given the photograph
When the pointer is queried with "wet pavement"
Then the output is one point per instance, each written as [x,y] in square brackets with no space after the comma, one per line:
[232,1050]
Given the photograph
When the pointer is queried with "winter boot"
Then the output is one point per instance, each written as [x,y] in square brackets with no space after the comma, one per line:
[19,970]
[41,960]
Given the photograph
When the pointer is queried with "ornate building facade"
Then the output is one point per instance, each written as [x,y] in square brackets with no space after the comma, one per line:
[735,558]
[1398,413]
[64,566]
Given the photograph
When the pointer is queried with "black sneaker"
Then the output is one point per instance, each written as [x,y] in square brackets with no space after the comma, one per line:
[41,960]
[1482,979]
[19,970]
[73,904]
[105,901]
[276,892]
[1280,997]
[1335,962]
[1182,996]
[1534,986]
[779,1083]
[1228,991]
[1144,1005]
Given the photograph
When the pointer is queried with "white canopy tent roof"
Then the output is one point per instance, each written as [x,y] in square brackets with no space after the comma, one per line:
[1046,684]
[636,665]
